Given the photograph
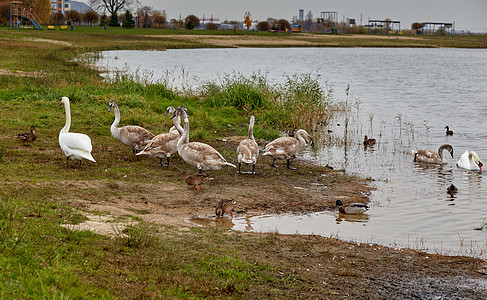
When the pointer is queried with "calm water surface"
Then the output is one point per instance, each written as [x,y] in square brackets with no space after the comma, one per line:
[402,97]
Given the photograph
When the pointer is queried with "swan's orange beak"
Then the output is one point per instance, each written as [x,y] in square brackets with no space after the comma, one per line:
[480,166]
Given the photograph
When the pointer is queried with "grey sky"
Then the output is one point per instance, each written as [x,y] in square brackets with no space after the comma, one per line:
[467,14]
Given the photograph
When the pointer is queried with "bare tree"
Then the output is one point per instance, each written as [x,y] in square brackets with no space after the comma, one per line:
[112,6]
[159,18]
[308,22]
[144,16]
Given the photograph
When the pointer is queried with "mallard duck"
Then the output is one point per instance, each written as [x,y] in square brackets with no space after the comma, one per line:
[197,179]
[287,147]
[76,146]
[28,137]
[135,137]
[368,142]
[452,189]
[352,208]
[432,157]
[165,144]
[448,131]
[200,155]
[470,161]
[248,150]
[224,206]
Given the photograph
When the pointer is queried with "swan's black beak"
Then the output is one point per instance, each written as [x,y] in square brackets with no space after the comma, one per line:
[451,154]
[313,144]
[173,115]
[167,111]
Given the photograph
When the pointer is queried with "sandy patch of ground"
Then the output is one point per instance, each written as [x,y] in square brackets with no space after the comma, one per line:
[303,39]
[49,41]
[20,73]
[101,224]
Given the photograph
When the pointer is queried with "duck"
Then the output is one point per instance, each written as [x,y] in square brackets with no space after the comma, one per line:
[368,142]
[448,131]
[225,206]
[75,146]
[133,136]
[452,189]
[470,161]
[200,155]
[432,157]
[197,179]
[248,150]
[28,137]
[165,144]
[352,208]
[287,147]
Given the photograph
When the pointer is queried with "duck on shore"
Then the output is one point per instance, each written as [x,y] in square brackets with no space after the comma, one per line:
[225,206]
[28,137]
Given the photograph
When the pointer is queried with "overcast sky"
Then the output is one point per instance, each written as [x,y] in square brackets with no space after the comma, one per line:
[467,14]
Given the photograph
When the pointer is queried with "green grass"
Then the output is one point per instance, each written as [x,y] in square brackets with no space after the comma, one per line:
[41,259]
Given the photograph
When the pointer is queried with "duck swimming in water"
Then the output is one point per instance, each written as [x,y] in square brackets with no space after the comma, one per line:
[352,208]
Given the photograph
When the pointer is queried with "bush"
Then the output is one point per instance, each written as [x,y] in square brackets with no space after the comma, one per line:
[263,26]
[211,26]
[191,22]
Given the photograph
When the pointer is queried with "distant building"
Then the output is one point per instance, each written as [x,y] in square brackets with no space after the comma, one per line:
[301,15]
[80,7]
[61,6]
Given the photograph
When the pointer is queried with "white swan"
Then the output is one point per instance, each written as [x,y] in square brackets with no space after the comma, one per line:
[200,155]
[133,136]
[287,147]
[432,157]
[248,150]
[165,144]
[76,146]
[470,161]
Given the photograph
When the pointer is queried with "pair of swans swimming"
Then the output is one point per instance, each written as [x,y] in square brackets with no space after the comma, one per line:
[468,160]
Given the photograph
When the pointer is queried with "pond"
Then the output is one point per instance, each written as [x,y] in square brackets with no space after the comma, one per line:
[404,98]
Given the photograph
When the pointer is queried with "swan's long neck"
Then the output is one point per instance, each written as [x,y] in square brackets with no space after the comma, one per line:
[67,110]
[115,123]
[251,128]
[184,139]
[441,153]
[301,140]
[177,123]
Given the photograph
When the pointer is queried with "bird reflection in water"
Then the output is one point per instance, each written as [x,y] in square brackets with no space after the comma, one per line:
[362,218]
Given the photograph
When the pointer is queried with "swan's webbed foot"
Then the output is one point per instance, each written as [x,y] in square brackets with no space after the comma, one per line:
[166,165]
[274,165]
[288,165]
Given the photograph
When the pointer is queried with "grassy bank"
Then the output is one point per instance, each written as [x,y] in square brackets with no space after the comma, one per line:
[152,259]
